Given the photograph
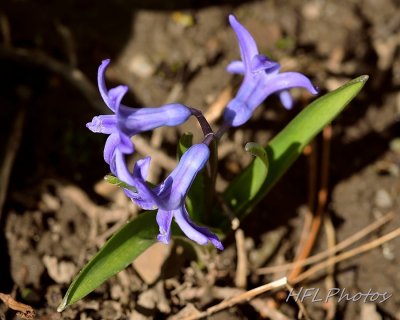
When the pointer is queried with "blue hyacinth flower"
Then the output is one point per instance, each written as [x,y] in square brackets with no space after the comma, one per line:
[169,197]
[126,122]
[261,78]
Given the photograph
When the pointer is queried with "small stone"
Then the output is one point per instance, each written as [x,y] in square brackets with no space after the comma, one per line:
[148,299]
[60,272]
[148,265]
[141,66]
[383,199]
[395,145]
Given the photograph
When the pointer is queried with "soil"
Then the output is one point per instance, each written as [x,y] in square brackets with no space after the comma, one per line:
[57,210]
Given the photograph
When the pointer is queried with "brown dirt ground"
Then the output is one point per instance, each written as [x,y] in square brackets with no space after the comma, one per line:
[58,212]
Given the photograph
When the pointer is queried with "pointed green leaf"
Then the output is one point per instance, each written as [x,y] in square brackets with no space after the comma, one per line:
[118,252]
[251,179]
[244,193]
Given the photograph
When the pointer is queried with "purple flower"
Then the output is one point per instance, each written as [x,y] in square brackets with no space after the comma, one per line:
[169,197]
[261,78]
[126,122]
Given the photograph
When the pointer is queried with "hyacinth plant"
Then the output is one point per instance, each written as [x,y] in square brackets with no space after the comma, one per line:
[168,201]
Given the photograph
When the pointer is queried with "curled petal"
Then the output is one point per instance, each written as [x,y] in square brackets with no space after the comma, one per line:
[115,96]
[126,145]
[286,99]
[144,203]
[174,189]
[102,83]
[110,147]
[255,89]
[121,169]
[240,108]
[141,168]
[164,220]
[103,124]
[236,67]
[144,197]
[201,235]
[248,47]
[171,194]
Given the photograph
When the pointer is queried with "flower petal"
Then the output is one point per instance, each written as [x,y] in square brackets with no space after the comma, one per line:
[286,99]
[125,145]
[255,89]
[142,167]
[236,67]
[240,108]
[201,235]
[110,147]
[248,47]
[145,197]
[287,80]
[102,83]
[164,220]
[121,170]
[115,96]
[123,174]
[103,124]
[172,193]
[133,121]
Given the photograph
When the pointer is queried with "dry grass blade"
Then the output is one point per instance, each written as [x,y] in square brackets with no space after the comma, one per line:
[242,265]
[215,110]
[330,279]
[346,255]
[322,200]
[299,303]
[246,296]
[340,246]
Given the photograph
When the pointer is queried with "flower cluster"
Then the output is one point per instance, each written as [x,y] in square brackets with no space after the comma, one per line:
[261,78]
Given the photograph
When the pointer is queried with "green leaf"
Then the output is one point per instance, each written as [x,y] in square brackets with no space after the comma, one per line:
[115,181]
[257,150]
[247,189]
[185,142]
[118,252]
[252,180]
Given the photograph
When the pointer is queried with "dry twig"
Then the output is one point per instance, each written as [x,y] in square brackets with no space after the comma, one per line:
[241,268]
[302,308]
[339,247]
[215,110]
[246,296]
[73,75]
[329,280]
[25,311]
[346,255]
[11,150]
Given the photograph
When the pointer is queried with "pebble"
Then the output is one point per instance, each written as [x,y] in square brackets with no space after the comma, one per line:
[141,66]
[383,200]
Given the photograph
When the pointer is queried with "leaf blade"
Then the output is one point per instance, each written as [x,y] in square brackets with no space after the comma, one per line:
[288,144]
[118,252]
